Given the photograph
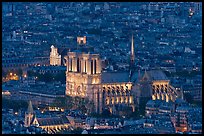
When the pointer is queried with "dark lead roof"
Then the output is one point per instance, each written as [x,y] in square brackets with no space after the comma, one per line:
[113,77]
[119,77]
[157,75]
[52,121]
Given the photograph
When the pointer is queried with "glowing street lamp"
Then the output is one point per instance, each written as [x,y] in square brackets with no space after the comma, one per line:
[11,74]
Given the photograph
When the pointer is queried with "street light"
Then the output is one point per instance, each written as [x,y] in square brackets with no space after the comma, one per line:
[11,74]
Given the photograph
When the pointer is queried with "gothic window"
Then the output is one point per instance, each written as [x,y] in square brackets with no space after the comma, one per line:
[112,100]
[153,91]
[85,66]
[91,66]
[123,93]
[104,93]
[153,87]
[109,93]
[78,65]
[118,92]
[130,99]
[113,92]
[162,90]
[157,90]
[94,66]
[70,64]
[122,99]
[121,87]
[127,91]
[107,101]
[28,121]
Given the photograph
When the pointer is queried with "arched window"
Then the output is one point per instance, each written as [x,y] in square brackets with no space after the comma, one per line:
[127,92]
[78,65]
[91,66]
[85,66]
[94,66]
[109,92]
[70,64]
[107,101]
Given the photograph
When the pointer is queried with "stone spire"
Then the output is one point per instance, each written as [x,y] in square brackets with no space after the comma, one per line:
[30,107]
[132,59]
[145,74]
[182,93]
[132,51]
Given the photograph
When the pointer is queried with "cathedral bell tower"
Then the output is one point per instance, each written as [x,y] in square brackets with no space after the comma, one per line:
[29,115]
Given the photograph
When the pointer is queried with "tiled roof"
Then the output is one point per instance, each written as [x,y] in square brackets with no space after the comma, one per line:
[53,121]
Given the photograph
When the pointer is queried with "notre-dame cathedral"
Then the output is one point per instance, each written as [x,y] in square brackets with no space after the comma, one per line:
[112,90]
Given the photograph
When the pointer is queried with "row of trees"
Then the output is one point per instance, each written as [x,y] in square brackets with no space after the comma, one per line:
[87,106]
[14,104]
[48,77]
[183,73]
[74,103]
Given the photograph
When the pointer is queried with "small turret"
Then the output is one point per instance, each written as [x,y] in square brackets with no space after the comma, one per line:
[30,107]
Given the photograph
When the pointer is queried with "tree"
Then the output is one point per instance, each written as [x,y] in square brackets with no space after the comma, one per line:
[63,102]
[59,102]
[188,97]
[106,113]
[78,130]
[60,77]
[14,104]
[3,73]
[76,102]
[31,73]
[20,72]
[69,102]
[90,106]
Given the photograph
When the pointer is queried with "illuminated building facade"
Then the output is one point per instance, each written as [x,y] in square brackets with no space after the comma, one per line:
[55,58]
[81,40]
[50,124]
